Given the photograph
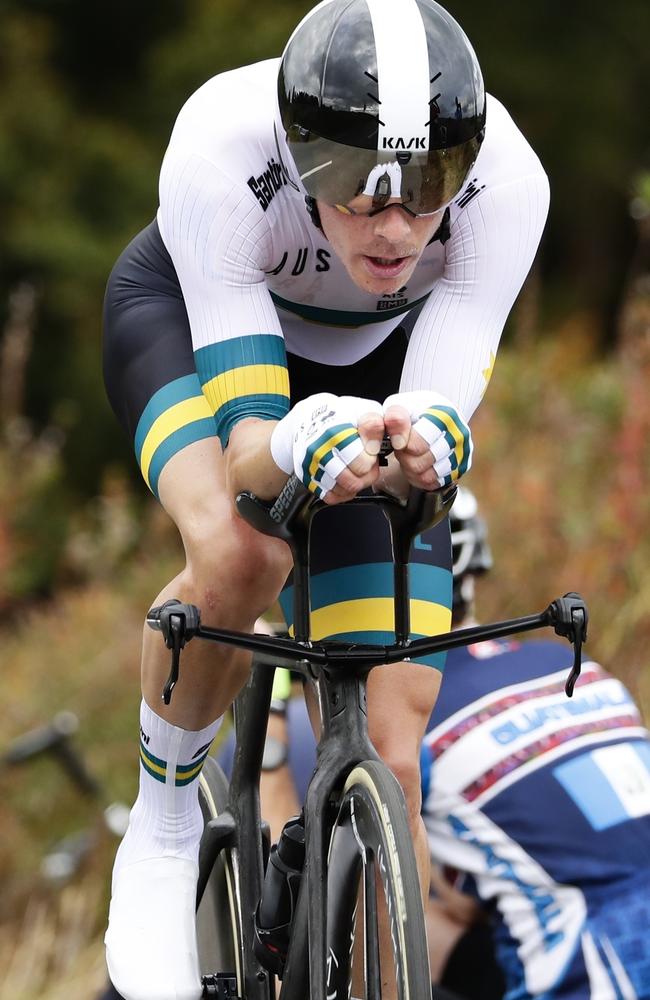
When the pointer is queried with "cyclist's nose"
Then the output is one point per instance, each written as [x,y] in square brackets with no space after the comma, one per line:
[392,224]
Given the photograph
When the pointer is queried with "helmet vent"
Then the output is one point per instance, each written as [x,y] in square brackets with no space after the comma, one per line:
[373,97]
[434,109]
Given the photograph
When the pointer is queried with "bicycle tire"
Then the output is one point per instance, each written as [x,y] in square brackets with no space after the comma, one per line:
[371,829]
[218,917]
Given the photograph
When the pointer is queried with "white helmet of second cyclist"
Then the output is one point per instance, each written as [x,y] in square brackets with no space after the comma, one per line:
[470,550]
[381,100]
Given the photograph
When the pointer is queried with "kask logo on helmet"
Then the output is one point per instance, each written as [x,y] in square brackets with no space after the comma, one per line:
[391,142]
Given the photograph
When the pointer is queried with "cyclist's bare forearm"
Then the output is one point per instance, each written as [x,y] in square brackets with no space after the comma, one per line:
[249,463]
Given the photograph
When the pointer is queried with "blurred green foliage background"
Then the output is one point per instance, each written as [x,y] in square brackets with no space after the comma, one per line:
[88,96]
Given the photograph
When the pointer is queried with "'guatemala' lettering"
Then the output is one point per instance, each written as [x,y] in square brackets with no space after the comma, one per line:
[266,186]
[527,721]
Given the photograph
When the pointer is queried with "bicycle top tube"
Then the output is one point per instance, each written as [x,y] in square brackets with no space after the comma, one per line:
[289,517]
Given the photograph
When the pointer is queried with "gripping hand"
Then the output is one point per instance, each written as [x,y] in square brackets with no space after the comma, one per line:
[430,437]
[331,443]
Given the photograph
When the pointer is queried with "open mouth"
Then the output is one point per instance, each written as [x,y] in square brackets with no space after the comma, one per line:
[386,267]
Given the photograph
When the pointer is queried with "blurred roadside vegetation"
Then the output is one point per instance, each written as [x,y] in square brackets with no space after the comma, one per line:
[88,95]
[574,518]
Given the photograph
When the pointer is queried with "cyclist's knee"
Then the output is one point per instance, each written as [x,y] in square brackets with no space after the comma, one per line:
[230,560]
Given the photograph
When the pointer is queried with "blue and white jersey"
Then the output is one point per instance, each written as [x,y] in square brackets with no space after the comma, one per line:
[541,803]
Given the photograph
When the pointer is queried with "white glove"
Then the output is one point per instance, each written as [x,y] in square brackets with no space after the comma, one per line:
[443,427]
[318,438]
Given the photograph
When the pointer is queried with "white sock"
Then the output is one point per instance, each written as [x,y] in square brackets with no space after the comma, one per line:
[166,818]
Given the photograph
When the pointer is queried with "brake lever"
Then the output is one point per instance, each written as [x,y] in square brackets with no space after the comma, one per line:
[569,617]
[178,623]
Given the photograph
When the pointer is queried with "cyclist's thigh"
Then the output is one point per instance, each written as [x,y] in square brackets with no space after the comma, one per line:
[352,570]
[153,386]
[149,367]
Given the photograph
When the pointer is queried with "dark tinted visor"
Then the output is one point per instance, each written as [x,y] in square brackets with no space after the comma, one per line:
[365,180]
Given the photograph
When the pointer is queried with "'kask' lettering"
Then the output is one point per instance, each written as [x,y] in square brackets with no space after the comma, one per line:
[399,143]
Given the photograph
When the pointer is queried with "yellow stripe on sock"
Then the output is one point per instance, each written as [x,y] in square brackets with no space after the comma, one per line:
[151,765]
[186,776]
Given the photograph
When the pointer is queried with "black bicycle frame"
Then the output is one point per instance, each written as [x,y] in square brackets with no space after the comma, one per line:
[339,671]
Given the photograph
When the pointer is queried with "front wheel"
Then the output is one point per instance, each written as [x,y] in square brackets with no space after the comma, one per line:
[218,917]
[372,874]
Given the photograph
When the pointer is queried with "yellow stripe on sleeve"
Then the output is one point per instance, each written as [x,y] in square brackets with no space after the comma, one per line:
[177,416]
[249,380]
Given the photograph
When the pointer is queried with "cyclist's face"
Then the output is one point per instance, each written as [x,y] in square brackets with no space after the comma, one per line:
[380,251]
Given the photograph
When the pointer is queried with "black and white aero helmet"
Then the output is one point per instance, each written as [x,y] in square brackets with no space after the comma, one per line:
[470,550]
[381,100]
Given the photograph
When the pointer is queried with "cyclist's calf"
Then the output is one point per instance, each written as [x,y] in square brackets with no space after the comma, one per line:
[400,700]
[406,768]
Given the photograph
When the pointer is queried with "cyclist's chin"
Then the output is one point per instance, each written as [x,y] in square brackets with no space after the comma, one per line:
[379,275]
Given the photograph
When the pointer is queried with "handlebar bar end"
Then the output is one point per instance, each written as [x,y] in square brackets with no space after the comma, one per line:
[160,620]
[569,617]
[178,623]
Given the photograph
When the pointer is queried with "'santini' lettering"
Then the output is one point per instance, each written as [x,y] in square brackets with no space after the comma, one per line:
[268,183]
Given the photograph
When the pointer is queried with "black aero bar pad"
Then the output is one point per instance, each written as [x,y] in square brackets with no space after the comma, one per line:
[290,517]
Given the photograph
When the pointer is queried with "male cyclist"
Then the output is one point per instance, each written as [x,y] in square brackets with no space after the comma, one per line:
[340,238]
